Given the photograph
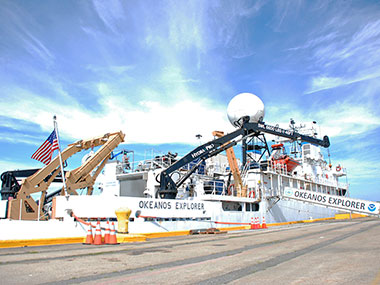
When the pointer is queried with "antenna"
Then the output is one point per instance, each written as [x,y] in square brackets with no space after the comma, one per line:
[328,153]
[199,136]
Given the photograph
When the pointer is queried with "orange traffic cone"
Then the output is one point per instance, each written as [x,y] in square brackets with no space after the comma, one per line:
[113,239]
[264,224]
[98,235]
[89,239]
[252,224]
[107,233]
[257,223]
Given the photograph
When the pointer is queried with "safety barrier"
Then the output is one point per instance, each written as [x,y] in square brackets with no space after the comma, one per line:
[98,239]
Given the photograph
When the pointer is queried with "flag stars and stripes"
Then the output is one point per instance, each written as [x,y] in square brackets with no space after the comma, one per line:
[45,151]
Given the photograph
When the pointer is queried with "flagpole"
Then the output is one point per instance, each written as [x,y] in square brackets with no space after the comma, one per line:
[59,154]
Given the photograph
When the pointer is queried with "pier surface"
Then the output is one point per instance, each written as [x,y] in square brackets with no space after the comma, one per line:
[331,252]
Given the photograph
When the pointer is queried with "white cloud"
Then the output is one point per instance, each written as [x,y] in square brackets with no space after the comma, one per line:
[360,169]
[324,82]
[6,165]
[343,118]
[339,119]
[143,121]
[22,33]
[19,138]
[111,13]
[345,57]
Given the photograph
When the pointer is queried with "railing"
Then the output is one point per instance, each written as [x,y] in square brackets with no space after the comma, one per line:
[279,168]
[218,187]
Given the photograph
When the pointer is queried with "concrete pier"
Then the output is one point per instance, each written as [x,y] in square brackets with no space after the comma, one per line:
[330,252]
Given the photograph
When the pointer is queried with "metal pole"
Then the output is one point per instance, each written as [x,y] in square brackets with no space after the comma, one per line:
[19,217]
[244,151]
[59,154]
[39,210]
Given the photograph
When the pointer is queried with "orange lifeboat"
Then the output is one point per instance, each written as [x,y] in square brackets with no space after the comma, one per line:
[290,163]
[277,146]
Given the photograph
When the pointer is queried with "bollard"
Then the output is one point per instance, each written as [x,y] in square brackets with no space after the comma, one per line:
[122,215]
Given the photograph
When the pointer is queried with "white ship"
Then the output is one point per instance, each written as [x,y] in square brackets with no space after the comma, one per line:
[287,180]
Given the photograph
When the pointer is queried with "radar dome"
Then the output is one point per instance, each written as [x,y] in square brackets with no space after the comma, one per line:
[245,104]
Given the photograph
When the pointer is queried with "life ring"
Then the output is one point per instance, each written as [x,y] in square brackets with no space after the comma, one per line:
[338,168]
[252,194]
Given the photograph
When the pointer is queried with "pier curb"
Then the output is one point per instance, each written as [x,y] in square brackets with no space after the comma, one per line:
[143,237]
[40,242]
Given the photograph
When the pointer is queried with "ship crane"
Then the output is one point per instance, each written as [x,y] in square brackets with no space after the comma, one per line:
[24,207]
[233,165]
[247,129]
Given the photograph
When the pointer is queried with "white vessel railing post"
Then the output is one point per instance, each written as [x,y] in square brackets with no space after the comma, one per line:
[19,217]
[271,185]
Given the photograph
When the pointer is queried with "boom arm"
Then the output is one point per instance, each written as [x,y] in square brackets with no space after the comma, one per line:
[261,127]
[168,188]
[26,208]
[233,165]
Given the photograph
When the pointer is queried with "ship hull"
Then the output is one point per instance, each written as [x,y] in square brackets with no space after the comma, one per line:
[157,216]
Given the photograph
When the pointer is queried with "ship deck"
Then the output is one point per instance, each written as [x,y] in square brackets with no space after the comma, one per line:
[335,251]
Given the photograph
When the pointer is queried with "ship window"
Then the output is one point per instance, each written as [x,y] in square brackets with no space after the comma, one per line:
[231,206]
[252,207]
[148,219]
[306,149]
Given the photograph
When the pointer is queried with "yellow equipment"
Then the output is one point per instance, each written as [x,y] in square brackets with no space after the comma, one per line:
[24,207]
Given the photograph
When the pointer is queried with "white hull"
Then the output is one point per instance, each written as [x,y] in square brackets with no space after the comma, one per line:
[156,215]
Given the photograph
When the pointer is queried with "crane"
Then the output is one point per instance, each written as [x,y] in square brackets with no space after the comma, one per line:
[23,206]
[168,188]
[232,161]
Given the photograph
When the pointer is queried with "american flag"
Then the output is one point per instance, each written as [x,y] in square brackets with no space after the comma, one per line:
[45,151]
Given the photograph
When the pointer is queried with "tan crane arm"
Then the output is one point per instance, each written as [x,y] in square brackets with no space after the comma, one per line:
[232,161]
[76,179]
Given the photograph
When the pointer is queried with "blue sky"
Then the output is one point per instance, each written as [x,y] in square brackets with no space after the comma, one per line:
[164,71]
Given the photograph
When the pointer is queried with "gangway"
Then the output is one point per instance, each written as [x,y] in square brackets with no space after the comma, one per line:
[342,203]
[24,207]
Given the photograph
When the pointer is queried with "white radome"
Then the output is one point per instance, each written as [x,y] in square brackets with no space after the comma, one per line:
[245,104]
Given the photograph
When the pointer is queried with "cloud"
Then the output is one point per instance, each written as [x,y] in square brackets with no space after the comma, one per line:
[12,137]
[347,119]
[324,82]
[362,177]
[343,118]
[111,13]
[143,121]
[360,169]
[22,33]
[344,57]
[6,165]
